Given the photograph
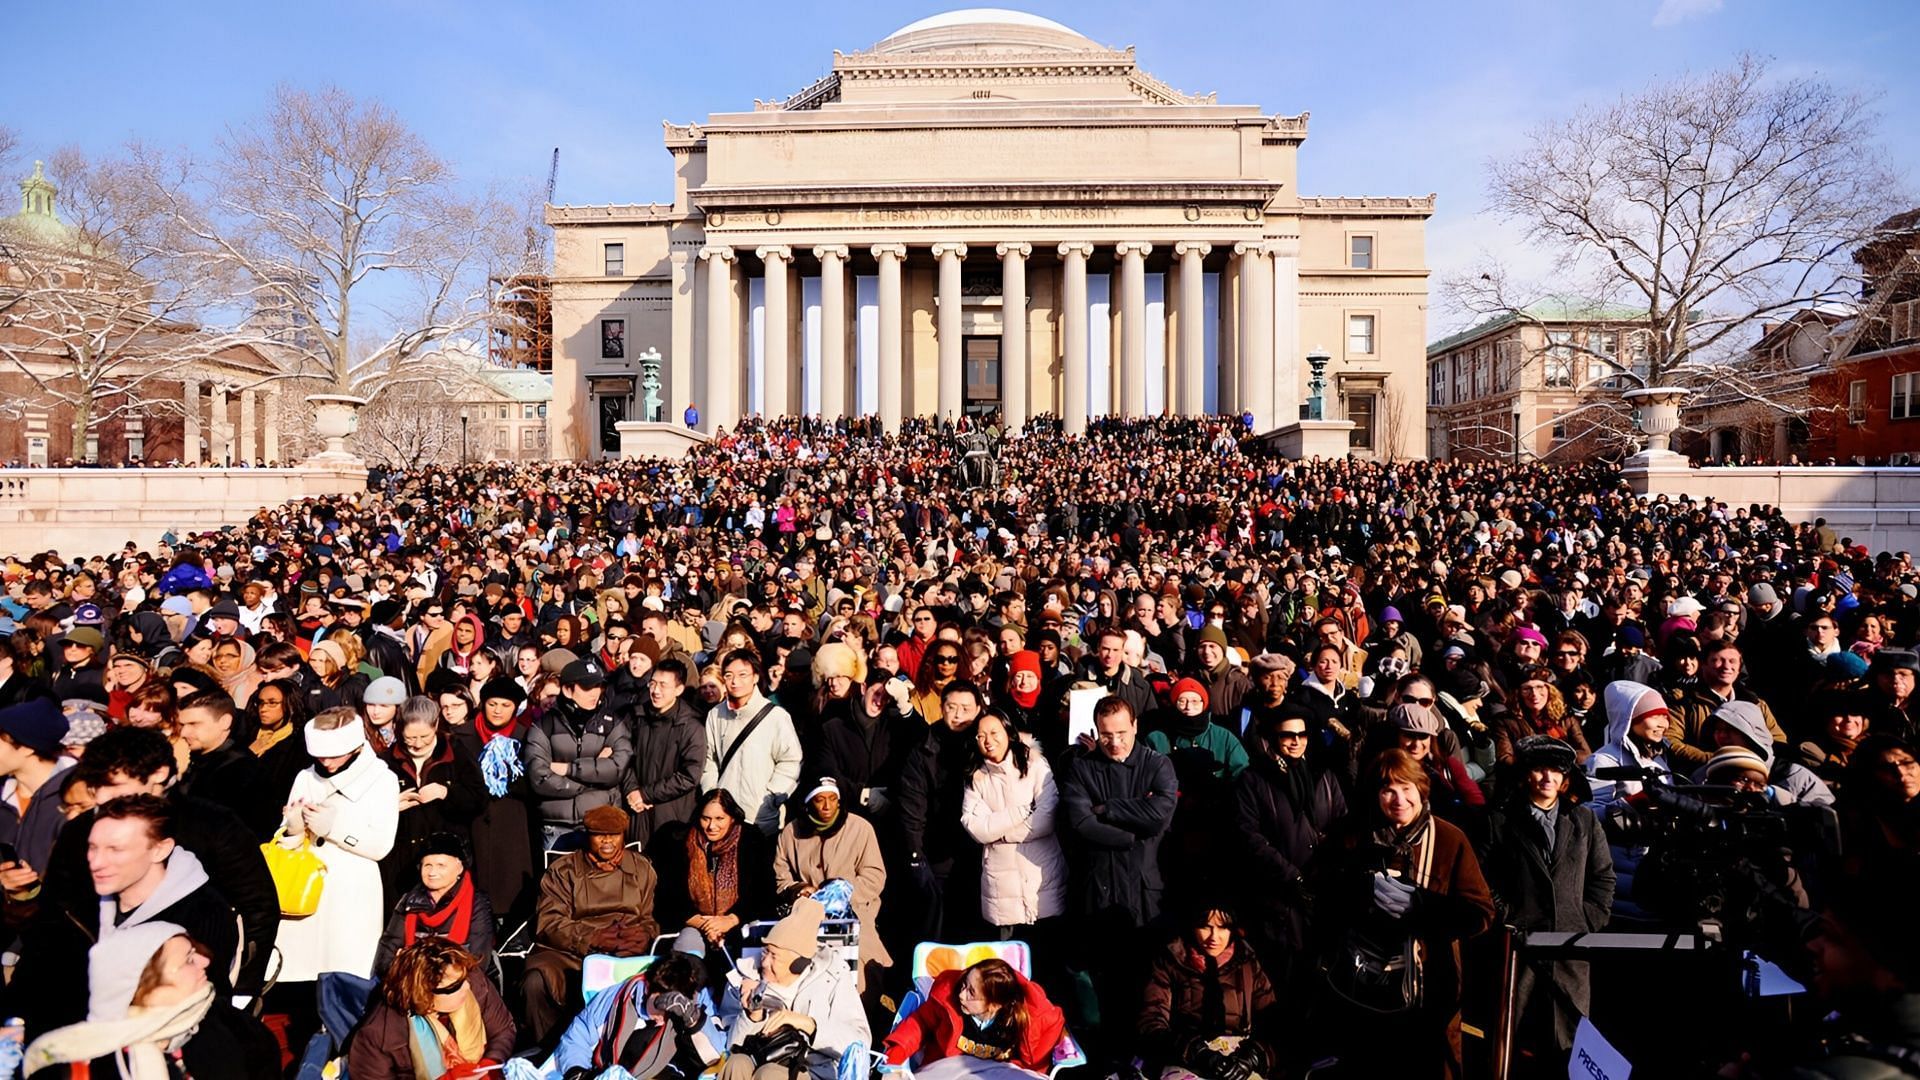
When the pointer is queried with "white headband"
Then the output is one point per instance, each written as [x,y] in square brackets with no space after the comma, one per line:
[827,783]
[338,742]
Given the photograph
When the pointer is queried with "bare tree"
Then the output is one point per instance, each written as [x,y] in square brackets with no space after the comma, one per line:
[101,302]
[9,146]
[409,426]
[1708,205]
[345,222]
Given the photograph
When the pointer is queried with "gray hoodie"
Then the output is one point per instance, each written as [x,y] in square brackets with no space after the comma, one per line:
[1798,783]
[184,874]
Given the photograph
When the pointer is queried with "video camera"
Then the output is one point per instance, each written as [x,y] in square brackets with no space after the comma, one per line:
[1721,858]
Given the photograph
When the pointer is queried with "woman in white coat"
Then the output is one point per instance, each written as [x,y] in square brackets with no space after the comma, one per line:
[1009,808]
[348,803]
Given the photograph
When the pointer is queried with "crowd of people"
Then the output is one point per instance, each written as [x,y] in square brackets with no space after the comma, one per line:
[1271,765]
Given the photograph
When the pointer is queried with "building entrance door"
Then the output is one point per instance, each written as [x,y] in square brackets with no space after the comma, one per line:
[980,356]
[613,409]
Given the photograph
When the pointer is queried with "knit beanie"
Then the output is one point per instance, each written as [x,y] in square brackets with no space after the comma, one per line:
[799,932]
[1733,759]
[1190,685]
[1028,661]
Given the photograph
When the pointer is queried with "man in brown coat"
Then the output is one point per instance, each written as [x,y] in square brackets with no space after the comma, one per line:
[599,900]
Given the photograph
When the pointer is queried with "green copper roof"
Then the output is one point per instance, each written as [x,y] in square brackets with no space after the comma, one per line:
[1552,309]
[37,222]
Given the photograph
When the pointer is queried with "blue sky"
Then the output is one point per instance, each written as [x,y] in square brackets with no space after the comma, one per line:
[1406,98]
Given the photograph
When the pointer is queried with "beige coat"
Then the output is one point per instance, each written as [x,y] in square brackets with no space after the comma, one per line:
[1023,874]
[802,858]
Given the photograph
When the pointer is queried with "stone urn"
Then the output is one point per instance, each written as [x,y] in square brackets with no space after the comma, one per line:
[335,418]
[1659,415]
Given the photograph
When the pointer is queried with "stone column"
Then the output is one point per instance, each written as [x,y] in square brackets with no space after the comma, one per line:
[220,429]
[947,330]
[1256,339]
[777,377]
[270,425]
[679,374]
[1133,327]
[1285,390]
[890,256]
[1074,337]
[833,330]
[1013,334]
[721,407]
[1193,327]
[190,426]
[246,450]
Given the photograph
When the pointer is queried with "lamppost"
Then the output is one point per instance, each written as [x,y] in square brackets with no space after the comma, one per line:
[463,436]
[1315,407]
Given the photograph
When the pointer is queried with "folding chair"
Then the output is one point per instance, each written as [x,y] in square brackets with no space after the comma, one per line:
[931,959]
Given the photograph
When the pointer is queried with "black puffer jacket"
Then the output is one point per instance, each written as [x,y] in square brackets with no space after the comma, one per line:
[1281,819]
[1116,812]
[569,735]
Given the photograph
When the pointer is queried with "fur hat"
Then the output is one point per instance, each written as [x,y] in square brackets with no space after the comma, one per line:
[606,821]
[838,658]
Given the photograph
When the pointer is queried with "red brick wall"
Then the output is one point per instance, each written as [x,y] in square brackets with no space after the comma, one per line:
[1880,436]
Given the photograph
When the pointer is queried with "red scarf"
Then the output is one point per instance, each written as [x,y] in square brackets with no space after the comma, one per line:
[488,734]
[452,922]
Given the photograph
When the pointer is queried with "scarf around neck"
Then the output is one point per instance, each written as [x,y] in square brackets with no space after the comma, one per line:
[452,921]
[713,871]
[139,1042]
[441,1042]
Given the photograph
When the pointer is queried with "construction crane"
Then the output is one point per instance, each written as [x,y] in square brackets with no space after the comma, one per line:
[553,173]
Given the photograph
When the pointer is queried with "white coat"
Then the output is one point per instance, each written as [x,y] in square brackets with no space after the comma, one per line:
[344,934]
[1023,874]
[766,768]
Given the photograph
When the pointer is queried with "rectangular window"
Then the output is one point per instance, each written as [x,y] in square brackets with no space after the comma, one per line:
[1604,345]
[1437,393]
[613,339]
[1559,427]
[503,412]
[616,259]
[1360,252]
[529,440]
[1482,372]
[1459,378]
[1637,361]
[1559,365]
[1857,402]
[1360,335]
[526,412]
[1905,388]
[1360,411]
[136,447]
[541,412]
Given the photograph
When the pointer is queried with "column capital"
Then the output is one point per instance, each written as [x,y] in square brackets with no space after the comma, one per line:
[718,252]
[1286,247]
[881,251]
[774,251]
[944,249]
[830,251]
[1251,247]
[1022,250]
[1077,247]
[1195,247]
[1133,247]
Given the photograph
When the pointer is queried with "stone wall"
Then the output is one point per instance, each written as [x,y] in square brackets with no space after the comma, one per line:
[1877,507]
[89,511]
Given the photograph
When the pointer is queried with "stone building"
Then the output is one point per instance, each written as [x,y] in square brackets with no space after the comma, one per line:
[158,391]
[988,211]
[1521,383]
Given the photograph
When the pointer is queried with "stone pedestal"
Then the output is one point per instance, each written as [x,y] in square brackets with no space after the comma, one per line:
[643,439]
[1311,438]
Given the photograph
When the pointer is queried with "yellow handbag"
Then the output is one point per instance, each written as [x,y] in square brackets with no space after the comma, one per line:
[298,875]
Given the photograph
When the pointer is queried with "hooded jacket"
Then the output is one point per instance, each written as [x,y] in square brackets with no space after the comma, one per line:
[1792,782]
[567,734]
[1624,701]
[1023,872]
[668,749]
[933,1030]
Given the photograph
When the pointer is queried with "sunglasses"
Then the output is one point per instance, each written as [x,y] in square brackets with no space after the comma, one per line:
[451,988]
[946,660]
[1293,735]
[1410,699]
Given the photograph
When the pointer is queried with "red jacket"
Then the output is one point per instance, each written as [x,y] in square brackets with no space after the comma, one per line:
[935,1026]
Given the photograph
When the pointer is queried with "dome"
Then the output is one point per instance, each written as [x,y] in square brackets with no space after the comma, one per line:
[983,26]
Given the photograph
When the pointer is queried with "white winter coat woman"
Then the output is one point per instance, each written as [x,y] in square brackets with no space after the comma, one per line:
[1023,875]
[352,827]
